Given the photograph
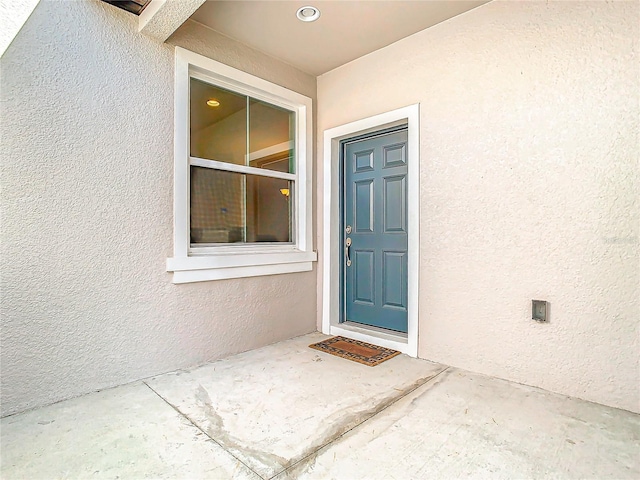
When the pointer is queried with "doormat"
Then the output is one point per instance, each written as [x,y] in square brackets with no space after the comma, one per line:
[355,350]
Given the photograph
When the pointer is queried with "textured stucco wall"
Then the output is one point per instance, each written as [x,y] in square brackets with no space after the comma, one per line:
[87,187]
[207,42]
[528,187]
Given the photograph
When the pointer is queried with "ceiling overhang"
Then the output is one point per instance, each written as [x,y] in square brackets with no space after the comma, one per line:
[344,31]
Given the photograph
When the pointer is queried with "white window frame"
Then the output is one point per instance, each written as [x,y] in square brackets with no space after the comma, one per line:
[247,259]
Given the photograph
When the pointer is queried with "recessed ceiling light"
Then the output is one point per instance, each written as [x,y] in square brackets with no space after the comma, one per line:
[308,13]
[213,102]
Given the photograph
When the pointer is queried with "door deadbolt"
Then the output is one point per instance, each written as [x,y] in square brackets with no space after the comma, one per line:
[348,229]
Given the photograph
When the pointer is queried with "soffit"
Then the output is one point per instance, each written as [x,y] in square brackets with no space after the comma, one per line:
[346,30]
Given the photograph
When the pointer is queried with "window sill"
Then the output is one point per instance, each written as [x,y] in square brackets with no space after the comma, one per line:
[202,268]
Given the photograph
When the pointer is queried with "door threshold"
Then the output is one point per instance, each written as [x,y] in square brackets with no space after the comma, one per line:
[374,335]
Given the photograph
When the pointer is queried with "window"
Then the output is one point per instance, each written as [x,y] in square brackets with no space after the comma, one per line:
[242,172]
[242,195]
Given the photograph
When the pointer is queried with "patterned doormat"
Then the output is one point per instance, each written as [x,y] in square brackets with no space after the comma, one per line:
[355,350]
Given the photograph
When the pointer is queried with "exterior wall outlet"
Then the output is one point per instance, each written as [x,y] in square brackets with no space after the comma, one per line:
[539,310]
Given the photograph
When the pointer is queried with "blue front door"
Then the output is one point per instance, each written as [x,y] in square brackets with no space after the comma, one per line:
[375,231]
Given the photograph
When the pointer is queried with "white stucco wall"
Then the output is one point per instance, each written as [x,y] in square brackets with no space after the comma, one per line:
[87,185]
[529,187]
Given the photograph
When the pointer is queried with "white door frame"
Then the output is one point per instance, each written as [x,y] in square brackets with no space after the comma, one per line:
[332,253]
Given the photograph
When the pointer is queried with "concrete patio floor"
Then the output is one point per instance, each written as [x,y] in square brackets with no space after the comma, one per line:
[289,412]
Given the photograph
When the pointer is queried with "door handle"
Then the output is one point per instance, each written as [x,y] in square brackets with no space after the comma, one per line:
[347,249]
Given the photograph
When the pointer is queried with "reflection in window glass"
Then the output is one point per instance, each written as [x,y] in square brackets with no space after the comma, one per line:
[271,135]
[217,206]
[219,130]
[220,213]
[237,207]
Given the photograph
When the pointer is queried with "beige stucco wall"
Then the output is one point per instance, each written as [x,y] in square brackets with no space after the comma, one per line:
[528,187]
[87,206]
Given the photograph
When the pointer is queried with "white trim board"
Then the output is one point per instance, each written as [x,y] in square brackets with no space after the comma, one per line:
[409,115]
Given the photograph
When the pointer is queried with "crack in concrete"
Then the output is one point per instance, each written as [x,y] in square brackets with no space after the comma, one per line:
[345,425]
[340,424]
[192,422]
[231,443]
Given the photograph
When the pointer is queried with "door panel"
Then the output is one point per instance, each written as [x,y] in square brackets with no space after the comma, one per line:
[394,266]
[363,161]
[375,207]
[363,206]
[395,217]
[364,274]
[395,155]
